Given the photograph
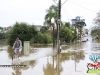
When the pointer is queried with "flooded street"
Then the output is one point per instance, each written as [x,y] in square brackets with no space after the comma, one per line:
[44,60]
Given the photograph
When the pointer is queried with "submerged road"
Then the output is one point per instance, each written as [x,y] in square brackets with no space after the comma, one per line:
[44,60]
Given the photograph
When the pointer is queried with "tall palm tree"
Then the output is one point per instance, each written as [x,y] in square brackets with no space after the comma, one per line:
[51,13]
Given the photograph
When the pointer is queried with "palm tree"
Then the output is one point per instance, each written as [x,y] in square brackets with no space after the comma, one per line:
[51,13]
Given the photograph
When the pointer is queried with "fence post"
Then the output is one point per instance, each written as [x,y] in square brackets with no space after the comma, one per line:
[26,48]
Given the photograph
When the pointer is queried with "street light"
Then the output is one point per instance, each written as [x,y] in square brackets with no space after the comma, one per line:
[53,21]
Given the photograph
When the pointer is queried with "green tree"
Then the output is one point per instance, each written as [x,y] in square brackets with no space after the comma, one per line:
[67,24]
[65,34]
[97,19]
[1,27]
[2,36]
[43,29]
[51,13]
[96,31]
[41,38]
[22,30]
[32,30]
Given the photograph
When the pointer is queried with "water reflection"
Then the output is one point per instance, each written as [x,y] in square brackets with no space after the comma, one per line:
[49,69]
[77,46]
[19,70]
[55,67]
[72,56]
[41,46]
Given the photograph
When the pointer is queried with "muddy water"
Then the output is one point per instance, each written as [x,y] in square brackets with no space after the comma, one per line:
[44,60]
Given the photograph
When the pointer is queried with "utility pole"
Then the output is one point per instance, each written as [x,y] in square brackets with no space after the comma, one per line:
[53,37]
[59,22]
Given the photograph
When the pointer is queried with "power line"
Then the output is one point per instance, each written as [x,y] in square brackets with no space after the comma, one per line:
[91,3]
[83,7]
[62,8]
[54,2]
[66,13]
[64,2]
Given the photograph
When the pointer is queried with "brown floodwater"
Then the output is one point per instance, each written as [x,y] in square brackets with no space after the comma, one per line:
[44,60]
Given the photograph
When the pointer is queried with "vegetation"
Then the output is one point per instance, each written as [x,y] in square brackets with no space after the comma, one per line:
[43,29]
[22,30]
[95,32]
[65,29]
[2,36]
[50,13]
[27,32]
[96,29]
[45,35]
[97,19]
[41,38]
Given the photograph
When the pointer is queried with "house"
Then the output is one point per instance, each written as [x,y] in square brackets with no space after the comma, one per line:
[1,30]
[38,27]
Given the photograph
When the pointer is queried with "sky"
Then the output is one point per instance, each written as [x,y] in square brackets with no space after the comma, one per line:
[33,11]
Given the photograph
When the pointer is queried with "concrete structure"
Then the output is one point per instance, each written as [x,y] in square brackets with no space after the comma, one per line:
[26,48]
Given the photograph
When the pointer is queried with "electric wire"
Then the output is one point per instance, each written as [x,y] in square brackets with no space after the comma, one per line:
[90,3]
[78,5]
[62,8]
[64,2]
[83,7]
[66,13]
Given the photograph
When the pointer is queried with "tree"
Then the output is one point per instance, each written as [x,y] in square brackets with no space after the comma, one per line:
[32,30]
[51,13]
[97,27]
[65,34]
[2,36]
[43,29]
[41,38]
[22,30]
[97,19]
[67,24]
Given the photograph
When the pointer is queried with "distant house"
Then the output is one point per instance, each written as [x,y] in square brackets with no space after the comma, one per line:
[5,29]
[1,30]
[38,27]
[51,28]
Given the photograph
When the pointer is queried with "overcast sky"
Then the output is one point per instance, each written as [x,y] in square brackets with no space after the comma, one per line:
[33,11]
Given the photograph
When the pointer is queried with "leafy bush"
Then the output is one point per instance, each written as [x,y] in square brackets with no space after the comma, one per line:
[41,38]
[22,30]
[2,36]
[43,29]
